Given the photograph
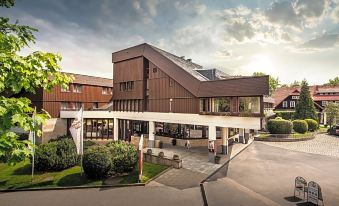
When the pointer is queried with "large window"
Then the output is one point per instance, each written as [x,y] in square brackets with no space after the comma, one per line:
[222,104]
[249,104]
[77,88]
[64,105]
[127,86]
[98,128]
[106,90]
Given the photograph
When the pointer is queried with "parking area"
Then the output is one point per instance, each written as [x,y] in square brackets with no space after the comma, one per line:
[264,175]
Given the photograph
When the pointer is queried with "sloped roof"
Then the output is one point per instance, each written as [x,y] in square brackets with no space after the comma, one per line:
[186,74]
[91,80]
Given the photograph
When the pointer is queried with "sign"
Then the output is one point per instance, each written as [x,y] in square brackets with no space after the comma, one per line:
[313,191]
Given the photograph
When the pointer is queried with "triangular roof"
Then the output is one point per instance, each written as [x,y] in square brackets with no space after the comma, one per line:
[184,72]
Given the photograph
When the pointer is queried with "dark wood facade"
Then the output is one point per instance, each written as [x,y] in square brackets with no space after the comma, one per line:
[160,85]
[91,96]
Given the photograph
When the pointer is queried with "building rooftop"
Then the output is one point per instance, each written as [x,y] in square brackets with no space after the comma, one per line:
[91,80]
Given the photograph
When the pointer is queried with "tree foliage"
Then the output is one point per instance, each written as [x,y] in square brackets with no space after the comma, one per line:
[332,112]
[22,73]
[305,106]
[273,82]
[333,82]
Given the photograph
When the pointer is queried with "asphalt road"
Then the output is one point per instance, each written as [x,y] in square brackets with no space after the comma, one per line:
[260,175]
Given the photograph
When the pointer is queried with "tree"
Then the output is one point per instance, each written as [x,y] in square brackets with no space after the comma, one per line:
[295,83]
[305,106]
[273,82]
[333,82]
[332,112]
[22,73]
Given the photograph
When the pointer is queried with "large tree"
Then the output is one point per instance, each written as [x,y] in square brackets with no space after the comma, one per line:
[333,82]
[305,105]
[332,112]
[273,82]
[22,73]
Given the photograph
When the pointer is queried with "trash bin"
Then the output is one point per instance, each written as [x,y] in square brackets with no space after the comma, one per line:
[156,143]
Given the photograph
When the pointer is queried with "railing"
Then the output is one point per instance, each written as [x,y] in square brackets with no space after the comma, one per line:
[236,114]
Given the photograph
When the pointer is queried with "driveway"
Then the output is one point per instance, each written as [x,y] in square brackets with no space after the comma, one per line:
[264,175]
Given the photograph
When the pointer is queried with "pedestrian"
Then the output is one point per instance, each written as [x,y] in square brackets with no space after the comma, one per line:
[188,145]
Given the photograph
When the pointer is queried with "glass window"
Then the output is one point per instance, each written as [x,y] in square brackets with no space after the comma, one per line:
[95,105]
[204,105]
[222,104]
[64,105]
[292,103]
[249,104]
[284,104]
[77,88]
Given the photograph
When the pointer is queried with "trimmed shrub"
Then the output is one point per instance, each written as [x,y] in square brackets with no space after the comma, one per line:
[285,115]
[60,138]
[124,157]
[312,124]
[97,162]
[88,143]
[56,155]
[279,126]
[300,126]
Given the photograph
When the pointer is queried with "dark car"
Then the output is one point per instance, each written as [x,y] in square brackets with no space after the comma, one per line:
[334,130]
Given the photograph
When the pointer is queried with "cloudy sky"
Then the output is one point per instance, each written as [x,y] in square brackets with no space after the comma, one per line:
[291,39]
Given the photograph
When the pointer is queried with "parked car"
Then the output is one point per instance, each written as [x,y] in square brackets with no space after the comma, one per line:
[334,130]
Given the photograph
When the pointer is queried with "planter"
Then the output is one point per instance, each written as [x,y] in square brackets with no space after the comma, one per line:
[149,151]
[176,157]
[217,159]
[161,154]
[174,141]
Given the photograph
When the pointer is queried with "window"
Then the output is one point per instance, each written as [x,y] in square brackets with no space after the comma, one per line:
[77,88]
[249,104]
[64,105]
[222,104]
[295,97]
[284,104]
[204,105]
[324,103]
[66,89]
[170,82]
[95,105]
[126,86]
[77,105]
[155,70]
[107,90]
[292,104]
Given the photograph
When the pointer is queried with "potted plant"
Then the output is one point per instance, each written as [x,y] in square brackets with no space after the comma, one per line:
[217,159]
[174,141]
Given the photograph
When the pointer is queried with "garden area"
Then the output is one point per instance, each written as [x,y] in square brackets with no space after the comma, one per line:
[58,165]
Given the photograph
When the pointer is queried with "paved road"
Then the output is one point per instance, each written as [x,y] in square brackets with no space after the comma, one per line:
[263,175]
[323,144]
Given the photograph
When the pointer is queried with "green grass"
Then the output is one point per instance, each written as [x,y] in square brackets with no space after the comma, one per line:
[295,135]
[323,129]
[19,176]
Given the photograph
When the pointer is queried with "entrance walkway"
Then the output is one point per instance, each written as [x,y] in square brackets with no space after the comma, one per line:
[195,165]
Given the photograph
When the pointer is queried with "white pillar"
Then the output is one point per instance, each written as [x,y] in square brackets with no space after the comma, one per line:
[224,137]
[116,129]
[151,130]
[242,135]
[212,135]
[325,119]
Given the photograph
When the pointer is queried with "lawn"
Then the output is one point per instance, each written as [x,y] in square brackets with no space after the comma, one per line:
[294,135]
[19,176]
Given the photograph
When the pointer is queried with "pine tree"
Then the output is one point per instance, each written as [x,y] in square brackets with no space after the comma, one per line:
[305,105]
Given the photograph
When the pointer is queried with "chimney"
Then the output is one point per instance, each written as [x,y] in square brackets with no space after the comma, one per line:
[189,60]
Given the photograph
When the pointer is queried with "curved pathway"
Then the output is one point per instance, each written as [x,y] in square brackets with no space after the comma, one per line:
[322,144]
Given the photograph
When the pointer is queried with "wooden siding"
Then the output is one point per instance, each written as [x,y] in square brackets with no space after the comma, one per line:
[161,91]
[129,70]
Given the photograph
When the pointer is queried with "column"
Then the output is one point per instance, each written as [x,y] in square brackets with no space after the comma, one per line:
[325,119]
[212,136]
[242,135]
[247,135]
[224,137]
[115,129]
[151,130]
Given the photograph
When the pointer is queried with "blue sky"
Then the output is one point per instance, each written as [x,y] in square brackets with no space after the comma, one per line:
[291,39]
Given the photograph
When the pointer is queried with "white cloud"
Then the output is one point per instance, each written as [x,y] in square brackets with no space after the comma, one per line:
[335,14]
[325,41]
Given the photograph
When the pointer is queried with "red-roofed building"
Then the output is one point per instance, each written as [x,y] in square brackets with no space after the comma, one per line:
[286,98]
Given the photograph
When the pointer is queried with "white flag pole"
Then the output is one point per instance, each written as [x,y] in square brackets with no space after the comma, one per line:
[81,139]
[33,141]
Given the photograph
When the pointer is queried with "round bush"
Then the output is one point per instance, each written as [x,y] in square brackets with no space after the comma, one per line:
[312,124]
[56,155]
[279,126]
[124,157]
[300,126]
[97,162]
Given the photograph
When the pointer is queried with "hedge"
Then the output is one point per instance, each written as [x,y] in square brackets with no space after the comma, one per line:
[300,126]
[55,156]
[312,124]
[97,162]
[124,156]
[279,126]
[285,115]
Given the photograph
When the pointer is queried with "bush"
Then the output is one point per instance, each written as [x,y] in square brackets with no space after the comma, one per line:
[312,124]
[56,155]
[88,143]
[285,115]
[279,126]
[97,162]
[60,138]
[124,157]
[300,126]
